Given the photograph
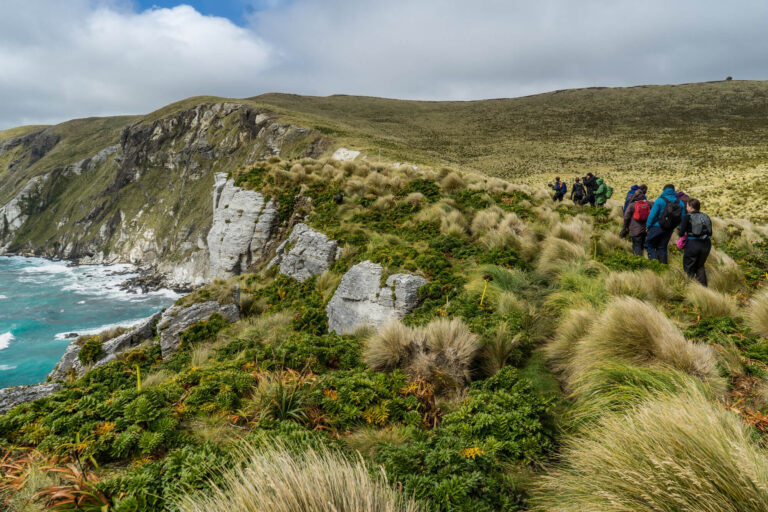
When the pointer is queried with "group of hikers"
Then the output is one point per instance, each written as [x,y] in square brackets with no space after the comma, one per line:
[586,190]
[651,224]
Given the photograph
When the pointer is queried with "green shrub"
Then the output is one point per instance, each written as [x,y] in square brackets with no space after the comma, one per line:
[91,351]
[202,332]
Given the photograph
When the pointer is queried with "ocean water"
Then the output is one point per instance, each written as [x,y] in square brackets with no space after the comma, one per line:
[41,301]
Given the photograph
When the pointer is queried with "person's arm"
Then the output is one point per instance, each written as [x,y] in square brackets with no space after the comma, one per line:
[628,215]
[683,228]
[654,215]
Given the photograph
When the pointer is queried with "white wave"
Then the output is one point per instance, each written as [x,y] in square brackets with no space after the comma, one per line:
[96,330]
[3,296]
[5,340]
[48,268]
[6,367]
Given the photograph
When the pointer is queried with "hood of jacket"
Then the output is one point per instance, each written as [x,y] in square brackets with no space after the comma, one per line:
[637,196]
[599,181]
[669,195]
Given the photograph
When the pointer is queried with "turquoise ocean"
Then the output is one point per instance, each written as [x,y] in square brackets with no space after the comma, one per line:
[41,301]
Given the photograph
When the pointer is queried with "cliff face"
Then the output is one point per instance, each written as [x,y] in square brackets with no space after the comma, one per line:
[144,194]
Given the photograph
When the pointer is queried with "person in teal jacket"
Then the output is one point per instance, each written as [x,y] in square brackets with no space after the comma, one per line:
[658,233]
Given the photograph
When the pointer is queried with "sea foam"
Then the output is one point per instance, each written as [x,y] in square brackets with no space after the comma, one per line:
[5,340]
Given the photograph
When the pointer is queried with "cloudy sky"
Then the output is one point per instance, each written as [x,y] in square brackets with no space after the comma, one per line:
[61,59]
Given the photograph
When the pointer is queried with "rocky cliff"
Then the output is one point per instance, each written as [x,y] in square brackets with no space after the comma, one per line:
[98,192]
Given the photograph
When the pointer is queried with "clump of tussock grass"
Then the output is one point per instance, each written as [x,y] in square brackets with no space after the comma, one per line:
[634,331]
[677,452]
[578,287]
[440,352]
[156,378]
[500,349]
[710,303]
[757,315]
[369,439]
[577,231]
[384,203]
[508,302]
[326,284]
[416,198]
[454,224]
[556,253]
[614,386]
[279,480]
[571,328]
[452,183]
[645,284]
[486,220]
[610,242]
[724,274]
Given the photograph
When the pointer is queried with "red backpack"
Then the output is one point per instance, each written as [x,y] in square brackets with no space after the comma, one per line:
[642,210]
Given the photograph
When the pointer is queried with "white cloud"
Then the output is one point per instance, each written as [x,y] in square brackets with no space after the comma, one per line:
[60,60]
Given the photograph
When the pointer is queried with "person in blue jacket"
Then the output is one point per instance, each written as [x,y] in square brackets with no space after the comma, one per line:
[666,214]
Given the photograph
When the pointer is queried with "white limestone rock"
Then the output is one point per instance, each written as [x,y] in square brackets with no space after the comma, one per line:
[13,396]
[243,224]
[345,155]
[305,253]
[361,301]
[178,319]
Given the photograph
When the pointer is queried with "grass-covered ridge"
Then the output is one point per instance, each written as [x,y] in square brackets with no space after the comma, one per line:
[544,363]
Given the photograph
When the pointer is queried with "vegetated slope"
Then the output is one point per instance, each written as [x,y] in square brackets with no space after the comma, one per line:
[456,404]
[706,137]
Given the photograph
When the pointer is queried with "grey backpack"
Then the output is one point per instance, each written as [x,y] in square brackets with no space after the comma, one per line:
[701,225]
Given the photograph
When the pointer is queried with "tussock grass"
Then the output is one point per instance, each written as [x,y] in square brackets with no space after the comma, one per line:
[368,439]
[440,352]
[644,284]
[571,328]
[577,231]
[508,302]
[610,242]
[156,378]
[500,349]
[277,480]
[678,452]
[556,253]
[486,220]
[633,331]
[757,316]
[452,183]
[710,303]
[724,274]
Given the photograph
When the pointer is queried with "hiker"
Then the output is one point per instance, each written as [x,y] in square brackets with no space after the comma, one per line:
[666,214]
[635,216]
[696,230]
[602,193]
[590,183]
[577,192]
[560,189]
[630,195]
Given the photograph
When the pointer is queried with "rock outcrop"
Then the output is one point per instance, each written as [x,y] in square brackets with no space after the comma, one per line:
[13,396]
[244,222]
[18,210]
[305,253]
[345,155]
[178,319]
[360,300]
[70,363]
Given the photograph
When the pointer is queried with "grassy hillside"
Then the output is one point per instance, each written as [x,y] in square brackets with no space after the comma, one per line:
[707,137]
[546,369]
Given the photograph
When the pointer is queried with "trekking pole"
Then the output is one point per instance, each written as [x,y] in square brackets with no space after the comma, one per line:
[484,289]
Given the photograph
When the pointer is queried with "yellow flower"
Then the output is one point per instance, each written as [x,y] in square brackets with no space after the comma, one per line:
[471,453]
[105,428]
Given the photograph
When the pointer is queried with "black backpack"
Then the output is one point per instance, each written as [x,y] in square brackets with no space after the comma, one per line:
[671,215]
[701,225]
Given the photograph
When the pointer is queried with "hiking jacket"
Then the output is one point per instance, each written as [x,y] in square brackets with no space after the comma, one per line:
[590,184]
[635,227]
[578,190]
[602,192]
[630,195]
[660,204]
[686,226]
[559,187]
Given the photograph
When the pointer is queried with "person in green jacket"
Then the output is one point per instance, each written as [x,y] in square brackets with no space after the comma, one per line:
[601,194]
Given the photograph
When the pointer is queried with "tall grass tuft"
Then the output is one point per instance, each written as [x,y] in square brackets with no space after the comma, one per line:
[645,284]
[634,331]
[570,329]
[677,452]
[556,253]
[758,314]
[710,303]
[277,480]
[388,348]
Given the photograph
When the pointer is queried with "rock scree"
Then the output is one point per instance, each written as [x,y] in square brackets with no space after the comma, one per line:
[360,300]
[13,396]
[178,319]
[305,253]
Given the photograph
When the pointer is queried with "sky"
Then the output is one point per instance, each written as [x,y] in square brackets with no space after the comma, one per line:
[78,58]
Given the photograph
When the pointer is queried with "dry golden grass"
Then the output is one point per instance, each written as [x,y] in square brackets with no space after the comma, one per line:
[390,347]
[277,480]
[710,303]
[635,332]
[724,274]
[677,452]
[576,324]
[556,254]
[757,316]
[644,284]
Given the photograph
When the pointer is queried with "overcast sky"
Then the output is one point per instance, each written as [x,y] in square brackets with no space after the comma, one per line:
[61,59]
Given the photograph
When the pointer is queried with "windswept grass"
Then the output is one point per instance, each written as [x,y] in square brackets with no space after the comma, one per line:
[277,480]
[758,314]
[677,452]
[710,303]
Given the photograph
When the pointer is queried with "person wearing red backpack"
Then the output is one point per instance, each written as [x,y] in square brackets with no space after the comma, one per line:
[635,217]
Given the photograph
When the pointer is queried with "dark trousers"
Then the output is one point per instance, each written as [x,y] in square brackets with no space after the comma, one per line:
[658,239]
[638,243]
[558,196]
[694,257]
[589,199]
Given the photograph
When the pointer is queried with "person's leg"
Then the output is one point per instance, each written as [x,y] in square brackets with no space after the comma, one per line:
[690,254]
[662,245]
[652,242]
[637,244]
[705,246]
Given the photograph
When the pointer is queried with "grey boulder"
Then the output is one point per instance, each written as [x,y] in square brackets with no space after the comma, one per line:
[361,301]
[11,397]
[305,253]
[177,319]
